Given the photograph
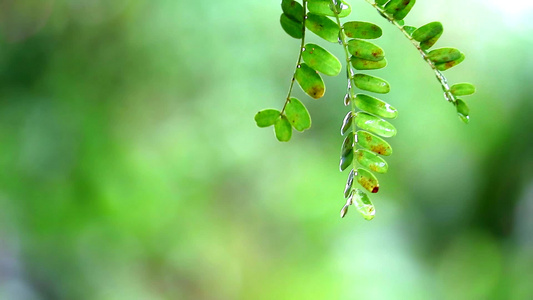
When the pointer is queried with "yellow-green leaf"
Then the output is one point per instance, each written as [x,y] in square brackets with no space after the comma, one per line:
[323,26]
[324,7]
[374,124]
[283,129]
[365,50]
[375,106]
[267,117]
[298,115]
[371,83]
[463,89]
[443,55]
[321,60]
[363,204]
[362,30]
[371,161]
[363,64]
[373,143]
[310,82]
[293,10]
[291,27]
[450,64]
[367,180]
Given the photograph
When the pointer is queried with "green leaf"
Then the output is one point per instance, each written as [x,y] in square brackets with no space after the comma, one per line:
[267,117]
[363,204]
[291,27]
[428,34]
[371,83]
[409,30]
[283,129]
[381,2]
[443,55]
[401,14]
[448,65]
[374,124]
[293,10]
[347,152]
[394,6]
[298,115]
[321,60]
[373,143]
[365,50]
[463,89]
[349,184]
[323,26]
[375,106]
[347,123]
[363,64]
[324,7]
[463,111]
[310,82]
[371,161]
[367,180]
[362,30]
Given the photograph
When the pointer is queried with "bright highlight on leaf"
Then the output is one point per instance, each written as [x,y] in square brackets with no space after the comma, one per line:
[324,7]
[371,161]
[374,124]
[375,106]
[363,204]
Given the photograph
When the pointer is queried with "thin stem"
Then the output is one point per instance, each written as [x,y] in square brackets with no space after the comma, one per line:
[440,77]
[349,75]
[299,58]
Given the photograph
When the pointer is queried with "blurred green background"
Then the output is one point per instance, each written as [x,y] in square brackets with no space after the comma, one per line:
[131,167]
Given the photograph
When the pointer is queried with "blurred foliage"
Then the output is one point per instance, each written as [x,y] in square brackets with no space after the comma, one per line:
[131,167]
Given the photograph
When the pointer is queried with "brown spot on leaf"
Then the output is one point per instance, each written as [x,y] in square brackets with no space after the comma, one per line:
[375,189]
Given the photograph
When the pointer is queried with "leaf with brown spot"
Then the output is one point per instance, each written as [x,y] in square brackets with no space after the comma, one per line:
[310,81]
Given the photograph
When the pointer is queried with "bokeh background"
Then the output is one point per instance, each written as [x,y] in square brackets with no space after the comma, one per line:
[131,167]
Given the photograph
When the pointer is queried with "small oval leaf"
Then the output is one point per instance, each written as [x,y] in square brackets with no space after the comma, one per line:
[346,161]
[363,204]
[371,161]
[448,65]
[347,123]
[365,50]
[293,10]
[395,6]
[425,45]
[374,124]
[463,111]
[321,60]
[310,82]
[267,117]
[323,26]
[368,180]
[375,106]
[443,55]
[373,143]
[428,31]
[347,99]
[401,14]
[363,64]
[283,129]
[463,89]
[409,30]
[348,144]
[371,83]
[324,7]
[298,115]
[291,27]
[362,30]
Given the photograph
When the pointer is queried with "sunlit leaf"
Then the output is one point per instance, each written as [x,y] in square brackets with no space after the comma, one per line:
[321,60]
[428,34]
[409,29]
[401,14]
[365,50]
[371,161]
[283,129]
[448,65]
[310,82]
[371,83]
[324,7]
[374,124]
[463,89]
[293,10]
[291,27]
[298,115]
[373,143]
[367,180]
[375,106]
[362,30]
[363,64]
[363,204]
[394,6]
[267,117]
[323,26]
[443,55]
